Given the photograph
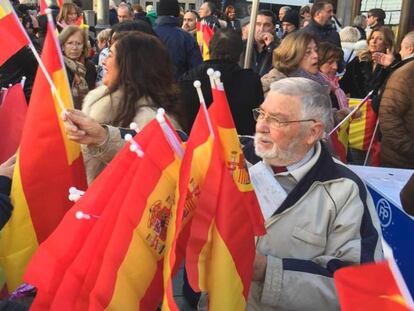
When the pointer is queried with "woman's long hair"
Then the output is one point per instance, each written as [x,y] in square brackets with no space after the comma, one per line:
[64,11]
[288,55]
[388,35]
[145,70]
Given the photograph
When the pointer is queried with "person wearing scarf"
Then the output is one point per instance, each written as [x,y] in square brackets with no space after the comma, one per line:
[81,72]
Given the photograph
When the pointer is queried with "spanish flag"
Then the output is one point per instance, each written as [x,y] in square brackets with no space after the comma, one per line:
[131,273]
[192,174]
[362,129]
[204,34]
[373,286]
[226,217]
[114,259]
[12,115]
[12,35]
[58,266]
[340,139]
[48,164]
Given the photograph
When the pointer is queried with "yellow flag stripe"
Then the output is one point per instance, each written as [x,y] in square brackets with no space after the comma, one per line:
[357,127]
[5,8]
[146,249]
[225,288]
[18,240]
[73,150]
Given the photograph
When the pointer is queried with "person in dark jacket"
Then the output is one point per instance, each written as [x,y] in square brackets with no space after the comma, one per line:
[360,23]
[23,63]
[290,22]
[206,13]
[6,173]
[181,46]
[264,43]
[363,73]
[242,86]
[376,18]
[320,24]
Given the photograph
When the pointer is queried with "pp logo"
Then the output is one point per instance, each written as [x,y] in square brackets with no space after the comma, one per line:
[384,212]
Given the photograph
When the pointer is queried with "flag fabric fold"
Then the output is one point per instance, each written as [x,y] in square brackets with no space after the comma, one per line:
[115,259]
[226,217]
[362,129]
[48,164]
[371,286]
[12,35]
[340,140]
[12,115]
[204,34]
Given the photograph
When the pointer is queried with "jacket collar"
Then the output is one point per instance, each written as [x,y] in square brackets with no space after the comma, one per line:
[167,20]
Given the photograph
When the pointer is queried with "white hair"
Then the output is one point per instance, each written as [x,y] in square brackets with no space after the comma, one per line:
[315,101]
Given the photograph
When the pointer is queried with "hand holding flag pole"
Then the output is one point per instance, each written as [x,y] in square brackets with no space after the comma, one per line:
[363,101]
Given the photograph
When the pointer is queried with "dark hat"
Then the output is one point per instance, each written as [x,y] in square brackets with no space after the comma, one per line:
[291,17]
[378,13]
[168,8]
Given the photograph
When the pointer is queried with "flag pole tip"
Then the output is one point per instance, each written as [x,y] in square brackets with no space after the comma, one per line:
[133,126]
[210,71]
[217,74]
[79,215]
[197,84]
[133,147]
[160,115]
[128,137]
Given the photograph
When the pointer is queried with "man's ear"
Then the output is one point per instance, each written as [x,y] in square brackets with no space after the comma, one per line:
[315,133]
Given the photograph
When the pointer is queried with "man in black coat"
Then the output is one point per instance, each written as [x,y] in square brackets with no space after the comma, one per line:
[242,86]
[320,24]
[264,43]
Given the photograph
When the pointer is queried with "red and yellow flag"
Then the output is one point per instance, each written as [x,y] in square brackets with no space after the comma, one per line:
[340,139]
[226,217]
[114,259]
[12,35]
[204,34]
[12,115]
[362,129]
[371,287]
[48,164]
[192,174]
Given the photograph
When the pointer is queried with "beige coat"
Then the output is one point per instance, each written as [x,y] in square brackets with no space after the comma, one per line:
[102,106]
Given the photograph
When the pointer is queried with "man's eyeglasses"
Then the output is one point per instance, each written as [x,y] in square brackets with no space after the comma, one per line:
[274,122]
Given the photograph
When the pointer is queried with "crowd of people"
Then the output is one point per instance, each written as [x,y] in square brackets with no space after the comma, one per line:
[303,71]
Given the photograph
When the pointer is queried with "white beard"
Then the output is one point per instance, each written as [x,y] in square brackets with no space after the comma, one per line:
[276,156]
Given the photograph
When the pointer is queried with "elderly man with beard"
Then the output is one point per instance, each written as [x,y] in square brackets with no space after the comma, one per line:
[319,215]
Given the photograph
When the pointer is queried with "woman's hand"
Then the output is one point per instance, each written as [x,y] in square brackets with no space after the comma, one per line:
[6,168]
[383,59]
[83,129]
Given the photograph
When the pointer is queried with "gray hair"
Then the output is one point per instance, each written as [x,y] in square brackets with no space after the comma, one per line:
[410,37]
[315,101]
[285,8]
[359,20]
[123,5]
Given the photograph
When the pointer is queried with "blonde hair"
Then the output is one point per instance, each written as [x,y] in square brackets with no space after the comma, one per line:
[104,35]
[388,35]
[69,31]
[65,10]
[289,54]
